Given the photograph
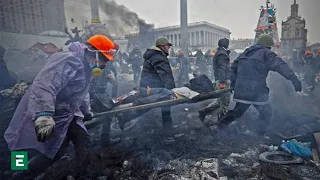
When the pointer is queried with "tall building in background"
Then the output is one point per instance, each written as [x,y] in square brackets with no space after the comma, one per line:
[294,32]
[32,17]
[55,14]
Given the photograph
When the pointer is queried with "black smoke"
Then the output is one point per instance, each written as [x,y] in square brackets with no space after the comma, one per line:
[123,17]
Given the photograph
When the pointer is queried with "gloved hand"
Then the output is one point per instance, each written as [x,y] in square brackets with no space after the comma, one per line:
[44,126]
[88,117]
[297,85]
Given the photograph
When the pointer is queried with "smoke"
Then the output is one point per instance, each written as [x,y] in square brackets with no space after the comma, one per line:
[122,15]
[118,19]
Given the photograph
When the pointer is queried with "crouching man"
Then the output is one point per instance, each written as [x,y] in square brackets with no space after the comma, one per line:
[52,111]
[248,78]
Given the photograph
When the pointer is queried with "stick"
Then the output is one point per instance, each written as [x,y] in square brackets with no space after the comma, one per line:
[171,102]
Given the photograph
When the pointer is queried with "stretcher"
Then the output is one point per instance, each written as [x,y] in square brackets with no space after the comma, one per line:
[172,102]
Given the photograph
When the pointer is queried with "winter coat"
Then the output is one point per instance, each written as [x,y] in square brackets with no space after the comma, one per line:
[310,63]
[221,65]
[184,69]
[111,68]
[156,71]
[135,58]
[60,87]
[318,63]
[250,70]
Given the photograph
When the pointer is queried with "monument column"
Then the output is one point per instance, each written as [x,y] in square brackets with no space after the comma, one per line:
[95,18]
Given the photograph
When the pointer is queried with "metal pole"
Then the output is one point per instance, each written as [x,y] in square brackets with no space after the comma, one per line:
[184,41]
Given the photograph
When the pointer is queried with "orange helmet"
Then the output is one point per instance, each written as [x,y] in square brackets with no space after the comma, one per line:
[308,52]
[103,45]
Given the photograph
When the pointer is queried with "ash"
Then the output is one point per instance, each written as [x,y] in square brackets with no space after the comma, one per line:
[191,152]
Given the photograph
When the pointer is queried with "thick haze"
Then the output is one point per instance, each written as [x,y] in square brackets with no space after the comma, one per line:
[239,16]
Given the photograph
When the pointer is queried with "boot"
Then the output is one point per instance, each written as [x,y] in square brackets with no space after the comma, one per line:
[122,120]
[166,119]
[202,115]
[207,110]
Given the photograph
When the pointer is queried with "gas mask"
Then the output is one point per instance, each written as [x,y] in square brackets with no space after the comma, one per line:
[96,68]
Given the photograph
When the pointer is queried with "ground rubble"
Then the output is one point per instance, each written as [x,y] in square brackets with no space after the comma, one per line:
[192,153]
[144,153]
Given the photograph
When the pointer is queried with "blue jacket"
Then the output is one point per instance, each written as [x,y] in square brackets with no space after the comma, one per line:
[250,70]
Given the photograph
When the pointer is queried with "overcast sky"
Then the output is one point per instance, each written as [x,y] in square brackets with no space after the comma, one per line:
[240,16]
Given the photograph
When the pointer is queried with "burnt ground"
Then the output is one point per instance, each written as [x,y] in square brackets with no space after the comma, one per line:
[146,151]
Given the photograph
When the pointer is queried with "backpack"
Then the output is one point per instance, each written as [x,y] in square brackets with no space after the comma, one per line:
[201,84]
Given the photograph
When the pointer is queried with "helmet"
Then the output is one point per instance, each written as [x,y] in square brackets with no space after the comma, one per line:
[162,41]
[102,44]
[265,40]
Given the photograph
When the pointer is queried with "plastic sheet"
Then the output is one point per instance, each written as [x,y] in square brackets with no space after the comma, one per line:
[296,148]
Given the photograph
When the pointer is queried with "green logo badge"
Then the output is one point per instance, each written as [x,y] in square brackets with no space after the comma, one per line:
[19,160]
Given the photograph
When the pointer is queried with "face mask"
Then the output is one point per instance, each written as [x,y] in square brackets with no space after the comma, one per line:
[96,69]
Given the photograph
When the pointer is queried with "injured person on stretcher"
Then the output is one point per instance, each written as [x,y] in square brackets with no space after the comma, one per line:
[141,100]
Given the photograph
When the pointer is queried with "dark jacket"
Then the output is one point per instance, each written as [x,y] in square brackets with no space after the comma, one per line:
[111,68]
[318,63]
[250,70]
[184,69]
[310,63]
[156,71]
[135,58]
[221,65]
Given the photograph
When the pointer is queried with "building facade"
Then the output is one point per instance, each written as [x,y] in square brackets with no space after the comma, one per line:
[202,35]
[241,44]
[294,32]
[32,17]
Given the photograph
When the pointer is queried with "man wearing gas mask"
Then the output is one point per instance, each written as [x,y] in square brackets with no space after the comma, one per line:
[51,113]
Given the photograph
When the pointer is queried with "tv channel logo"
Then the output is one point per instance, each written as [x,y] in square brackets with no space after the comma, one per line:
[19,160]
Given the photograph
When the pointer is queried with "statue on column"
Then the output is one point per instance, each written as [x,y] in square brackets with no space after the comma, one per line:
[74,38]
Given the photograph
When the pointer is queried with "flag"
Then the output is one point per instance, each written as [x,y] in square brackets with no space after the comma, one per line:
[73,21]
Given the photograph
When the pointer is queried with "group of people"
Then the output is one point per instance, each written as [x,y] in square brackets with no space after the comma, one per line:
[312,67]
[52,112]
[308,65]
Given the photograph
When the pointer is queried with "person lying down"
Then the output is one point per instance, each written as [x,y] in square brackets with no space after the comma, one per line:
[140,96]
